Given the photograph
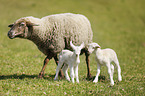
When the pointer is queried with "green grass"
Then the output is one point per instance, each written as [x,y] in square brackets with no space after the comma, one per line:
[117,24]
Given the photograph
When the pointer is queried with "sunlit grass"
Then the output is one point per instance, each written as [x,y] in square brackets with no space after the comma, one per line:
[116,24]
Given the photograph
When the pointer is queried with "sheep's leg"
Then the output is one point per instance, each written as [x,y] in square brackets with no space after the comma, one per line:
[72,73]
[64,69]
[98,72]
[119,70]
[60,72]
[110,74]
[41,74]
[58,69]
[76,73]
[88,65]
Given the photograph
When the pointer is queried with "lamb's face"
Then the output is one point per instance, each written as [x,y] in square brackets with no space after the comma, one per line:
[77,50]
[92,47]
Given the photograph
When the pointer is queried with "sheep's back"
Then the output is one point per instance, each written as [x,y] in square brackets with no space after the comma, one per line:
[58,30]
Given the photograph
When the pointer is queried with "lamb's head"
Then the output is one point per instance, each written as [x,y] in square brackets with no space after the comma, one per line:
[21,28]
[77,50]
[93,46]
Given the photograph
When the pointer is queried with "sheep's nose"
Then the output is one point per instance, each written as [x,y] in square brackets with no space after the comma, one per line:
[10,35]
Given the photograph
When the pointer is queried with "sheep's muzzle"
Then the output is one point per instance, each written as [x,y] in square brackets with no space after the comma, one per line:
[12,35]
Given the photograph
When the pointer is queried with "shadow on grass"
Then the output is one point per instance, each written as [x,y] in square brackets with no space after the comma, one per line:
[23,76]
[100,78]
[49,77]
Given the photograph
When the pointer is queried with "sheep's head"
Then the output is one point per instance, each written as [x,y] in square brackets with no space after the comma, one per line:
[20,29]
[92,47]
[77,50]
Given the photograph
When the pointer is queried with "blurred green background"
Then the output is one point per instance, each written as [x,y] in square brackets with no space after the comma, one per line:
[117,24]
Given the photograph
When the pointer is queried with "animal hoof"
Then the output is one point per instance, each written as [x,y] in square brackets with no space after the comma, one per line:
[89,77]
[62,77]
[40,75]
[55,79]
[95,81]
[111,84]
[77,81]
[120,79]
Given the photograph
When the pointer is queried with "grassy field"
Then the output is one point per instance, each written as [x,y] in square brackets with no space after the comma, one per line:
[117,24]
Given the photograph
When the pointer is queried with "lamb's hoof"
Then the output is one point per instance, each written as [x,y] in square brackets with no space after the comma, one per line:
[55,79]
[119,80]
[68,80]
[112,84]
[95,81]
[77,81]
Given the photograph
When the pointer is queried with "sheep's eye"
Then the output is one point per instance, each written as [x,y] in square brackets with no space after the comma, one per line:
[22,24]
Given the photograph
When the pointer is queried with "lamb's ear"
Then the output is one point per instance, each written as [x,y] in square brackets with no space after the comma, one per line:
[97,46]
[11,25]
[82,45]
[31,24]
[71,44]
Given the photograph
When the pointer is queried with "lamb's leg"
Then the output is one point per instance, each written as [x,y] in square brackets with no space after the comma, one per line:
[60,72]
[64,69]
[110,74]
[112,70]
[41,74]
[58,69]
[72,73]
[98,72]
[88,65]
[119,70]
[76,73]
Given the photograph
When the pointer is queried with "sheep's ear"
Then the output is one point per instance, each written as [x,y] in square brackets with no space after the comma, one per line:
[71,44]
[31,24]
[10,25]
[82,45]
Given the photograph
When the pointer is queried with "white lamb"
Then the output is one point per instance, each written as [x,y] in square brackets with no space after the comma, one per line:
[105,57]
[71,59]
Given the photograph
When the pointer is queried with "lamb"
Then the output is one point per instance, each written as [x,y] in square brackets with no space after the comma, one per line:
[53,33]
[71,59]
[105,57]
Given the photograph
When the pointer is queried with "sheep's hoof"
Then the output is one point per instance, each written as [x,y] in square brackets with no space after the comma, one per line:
[89,77]
[41,75]
[61,76]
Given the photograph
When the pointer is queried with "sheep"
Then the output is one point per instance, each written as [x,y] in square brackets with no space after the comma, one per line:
[53,33]
[71,59]
[105,57]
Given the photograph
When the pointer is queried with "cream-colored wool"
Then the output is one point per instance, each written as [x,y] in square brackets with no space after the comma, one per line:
[56,31]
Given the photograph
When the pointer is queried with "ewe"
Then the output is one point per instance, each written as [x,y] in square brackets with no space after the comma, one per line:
[105,57]
[53,33]
[70,59]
